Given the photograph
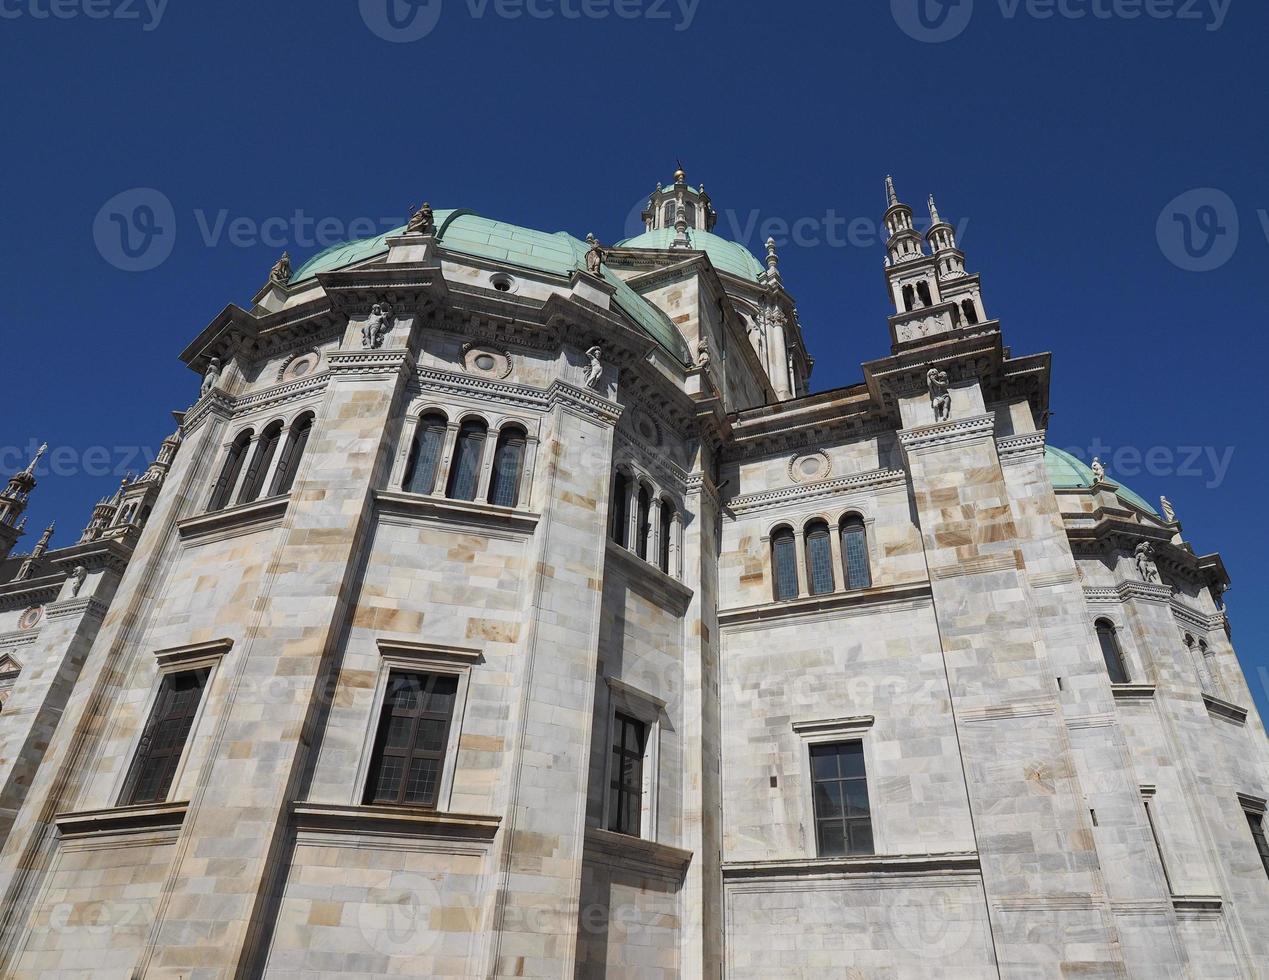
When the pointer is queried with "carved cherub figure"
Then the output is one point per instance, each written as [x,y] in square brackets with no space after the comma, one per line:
[377,326]
[596,370]
[937,381]
[1146,567]
[212,377]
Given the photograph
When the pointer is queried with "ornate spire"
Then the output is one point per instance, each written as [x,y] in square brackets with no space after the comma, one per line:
[39,453]
[13,498]
[41,548]
[934,212]
[891,197]
[773,262]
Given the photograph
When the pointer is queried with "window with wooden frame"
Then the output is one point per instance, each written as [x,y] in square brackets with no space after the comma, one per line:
[165,736]
[839,783]
[626,775]
[412,738]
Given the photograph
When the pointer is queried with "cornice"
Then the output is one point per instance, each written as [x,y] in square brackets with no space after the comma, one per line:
[241,518]
[370,364]
[408,821]
[643,575]
[33,592]
[121,820]
[881,479]
[918,593]
[87,607]
[477,386]
[637,854]
[955,862]
[1123,591]
[584,402]
[1227,710]
[1021,448]
[458,513]
[944,434]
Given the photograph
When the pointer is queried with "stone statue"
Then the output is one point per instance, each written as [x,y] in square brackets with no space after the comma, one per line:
[212,377]
[377,327]
[1169,512]
[1146,567]
[596,370]
[937,381]
[1099,471]
[703,359]
[281,271]
[78,575]
[596,257]
[422,222]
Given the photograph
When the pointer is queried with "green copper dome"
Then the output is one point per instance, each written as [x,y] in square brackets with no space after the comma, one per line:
[1066,472]
[728,257]
[556,253]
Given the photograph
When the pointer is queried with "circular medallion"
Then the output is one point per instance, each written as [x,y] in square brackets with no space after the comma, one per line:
[486,360]
[299,366]
[810,467]
[31,618]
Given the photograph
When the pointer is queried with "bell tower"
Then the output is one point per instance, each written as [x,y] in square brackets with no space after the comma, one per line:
[13,500]
[932,293]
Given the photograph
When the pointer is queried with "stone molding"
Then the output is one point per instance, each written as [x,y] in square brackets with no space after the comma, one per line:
[834,726]
[87,607]
[280,394]
[1219,708]
[649,579]
[1132,692]
[410,650]
[457,513]
[1198,620]
[1021,448]
[586,403]
[1009,710]
[1146,591]
[193,654]
[983,565]
[369,364]
[944,434]
[880,479]
[864,866]
[394,821]
[918,594]
[33,592]
[483,388]
[637,854]
[215,402]
[121,820]
[242,518]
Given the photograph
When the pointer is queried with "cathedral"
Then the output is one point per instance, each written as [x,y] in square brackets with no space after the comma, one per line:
[509,604]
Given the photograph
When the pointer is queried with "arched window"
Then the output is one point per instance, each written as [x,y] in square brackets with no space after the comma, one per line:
[425,454]
[923,290]
[229,472]
[784,564]
[668,215]
[909,298]
[468,455]
[1110,652]
[620,516]
[690,208]
[819,559]
[292,455]
[667,531]
[266,448]
[971,312]
[644,524]
[855,553]
[508,464]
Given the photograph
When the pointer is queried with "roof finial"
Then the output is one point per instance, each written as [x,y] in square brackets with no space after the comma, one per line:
[891,197]
[934,212]
[680,175]
[39,453]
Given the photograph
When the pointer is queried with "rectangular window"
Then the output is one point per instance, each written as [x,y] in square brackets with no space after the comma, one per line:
[409,752]
[625,787]
[843,820]
[1257,823]
[163,741]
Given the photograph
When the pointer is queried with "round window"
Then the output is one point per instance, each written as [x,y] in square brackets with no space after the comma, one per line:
[485,362]
[31,618]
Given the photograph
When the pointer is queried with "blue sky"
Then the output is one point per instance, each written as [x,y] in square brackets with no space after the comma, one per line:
[1104,159]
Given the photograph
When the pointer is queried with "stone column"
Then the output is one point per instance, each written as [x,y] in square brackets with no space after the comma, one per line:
[539,862]
[1046,903]
[799,538]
